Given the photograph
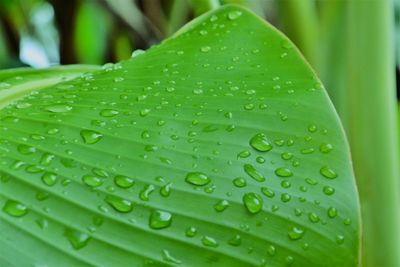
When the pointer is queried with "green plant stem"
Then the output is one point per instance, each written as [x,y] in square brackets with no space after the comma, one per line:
[177,16]
[202,6]
[372,127]
[300,24]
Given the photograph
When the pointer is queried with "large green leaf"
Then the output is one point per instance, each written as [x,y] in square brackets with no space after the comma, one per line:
[218,147]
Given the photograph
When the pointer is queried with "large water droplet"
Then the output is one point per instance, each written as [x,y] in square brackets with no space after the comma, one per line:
[253,202]
[253,173]
[77,239]
[49,178]
[90,137]
[328,172]
[15,208]
[260,142]
[119,204]
[92,180]
[160,219]
[123,181]
[283,172]
[295,233]
[197,178]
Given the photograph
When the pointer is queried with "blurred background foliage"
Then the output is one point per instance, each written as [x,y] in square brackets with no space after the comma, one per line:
[354,45]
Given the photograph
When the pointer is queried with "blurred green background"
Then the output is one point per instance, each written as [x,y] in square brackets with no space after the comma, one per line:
[354,46]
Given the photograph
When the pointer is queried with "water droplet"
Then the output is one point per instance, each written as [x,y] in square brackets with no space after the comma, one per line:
[49,178]
[253,202]
[283,172]
[325,148]
[313,217]
[165,190]
[146,191]
[244,154]
[339,239]
[119,204]
[295,233]
[209,241]
[197,178]
[205,49]
[137,52]
[260,143]
[92,180]
[286,44]
[191,231]
[271,250]
[253,173]
[25,149]
[221,205]
[232,15]
[328,190]
[169,258]
[109,113]
[332,212]
[160,219]
[77,239]
[285,197]
[235,241]
[286,155]
[239,182]
[90,137]
[15,208]
[328,172]
[123,181]
[267,192]
[58,108]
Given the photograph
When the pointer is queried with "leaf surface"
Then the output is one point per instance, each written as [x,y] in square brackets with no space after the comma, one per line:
[218,147]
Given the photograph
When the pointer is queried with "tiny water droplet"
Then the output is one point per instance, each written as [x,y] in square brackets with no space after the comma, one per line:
[328,190]
[165,190]
[191,231]
[58,108]
[146,191]
[205,49]
[109,112]
[325,148]
[169,258]
[267,192]
[137,52]
[332,212]
[235,241]
[232,15]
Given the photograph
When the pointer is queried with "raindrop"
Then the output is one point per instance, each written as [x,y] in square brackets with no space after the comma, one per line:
[191,231]
[197,178]
[109,113]
[160,219]
[235,241]
[253,173]
[232,15]
[119,204]
[58,108]
[90,137]
[91,180]
[328,172]
[15,208]
[123,181]
[260,143]
[49,178]
[283,172]
[295,233]
[209,241]
[77,239]
[221,205]
[253,202]
[239,182]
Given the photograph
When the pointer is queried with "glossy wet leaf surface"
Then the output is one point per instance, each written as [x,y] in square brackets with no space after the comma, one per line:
[218,147]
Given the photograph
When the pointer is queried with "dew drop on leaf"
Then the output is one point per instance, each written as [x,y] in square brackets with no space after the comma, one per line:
[160,219]
[146,191]
[77,238]
[15,208]
[165,190]
[90,137]
[197,178]
[325,148]
[232,15]
[328,172]
[267,192]
[123,181]
[221,205]
[191,231]
[295,233]
[253,202]
[283,172]
[169,258]
[260,143]
[253,173]
[109,112]
[92,180]
[239,182]
[235,241]
[208,241]
[49,178]
[58,108]
[119,204]
[332,212]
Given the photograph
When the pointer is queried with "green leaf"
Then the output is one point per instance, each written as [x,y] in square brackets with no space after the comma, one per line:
[218,147]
